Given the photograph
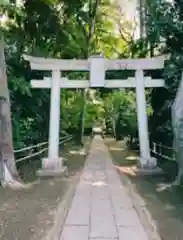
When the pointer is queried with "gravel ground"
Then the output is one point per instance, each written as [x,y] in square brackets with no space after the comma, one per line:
[29,214]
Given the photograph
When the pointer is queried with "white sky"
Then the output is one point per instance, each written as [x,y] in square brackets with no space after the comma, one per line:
[129,7]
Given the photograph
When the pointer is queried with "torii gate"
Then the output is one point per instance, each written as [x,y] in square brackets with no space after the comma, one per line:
[97,66]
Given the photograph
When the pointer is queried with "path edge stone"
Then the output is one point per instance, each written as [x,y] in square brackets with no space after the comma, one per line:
[62,210]
[140,207]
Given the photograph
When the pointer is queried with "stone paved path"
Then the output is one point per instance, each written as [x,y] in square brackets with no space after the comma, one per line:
[101,208]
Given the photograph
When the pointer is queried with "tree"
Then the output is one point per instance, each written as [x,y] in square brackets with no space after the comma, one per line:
[164,20]
[6,137]
[120,111]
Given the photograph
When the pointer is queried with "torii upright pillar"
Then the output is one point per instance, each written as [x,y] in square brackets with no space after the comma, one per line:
[53,165]
[145,157]
[54,126]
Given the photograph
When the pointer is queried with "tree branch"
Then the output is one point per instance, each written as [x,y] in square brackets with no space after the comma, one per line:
[93,14]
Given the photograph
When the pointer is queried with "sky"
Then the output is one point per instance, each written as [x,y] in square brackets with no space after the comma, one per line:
[129,7]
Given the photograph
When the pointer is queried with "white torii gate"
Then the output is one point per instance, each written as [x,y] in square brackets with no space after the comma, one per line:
[97,66]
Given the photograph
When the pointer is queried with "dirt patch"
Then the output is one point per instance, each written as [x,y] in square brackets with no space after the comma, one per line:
[29,214]
[165,204]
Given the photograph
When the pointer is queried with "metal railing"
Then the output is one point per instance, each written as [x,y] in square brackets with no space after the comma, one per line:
[42,150]
[162,151]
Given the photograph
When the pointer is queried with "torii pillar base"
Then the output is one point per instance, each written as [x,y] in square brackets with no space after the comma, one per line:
[52,168]
[148,169]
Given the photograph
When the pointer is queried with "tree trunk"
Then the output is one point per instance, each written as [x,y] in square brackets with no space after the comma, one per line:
[6,143]
[2,170]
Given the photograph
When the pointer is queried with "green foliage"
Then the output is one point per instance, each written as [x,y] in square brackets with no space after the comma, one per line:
[164,22]
[120,113]
[62,29]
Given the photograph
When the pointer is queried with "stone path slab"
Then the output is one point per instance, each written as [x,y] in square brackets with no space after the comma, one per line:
[101,208]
